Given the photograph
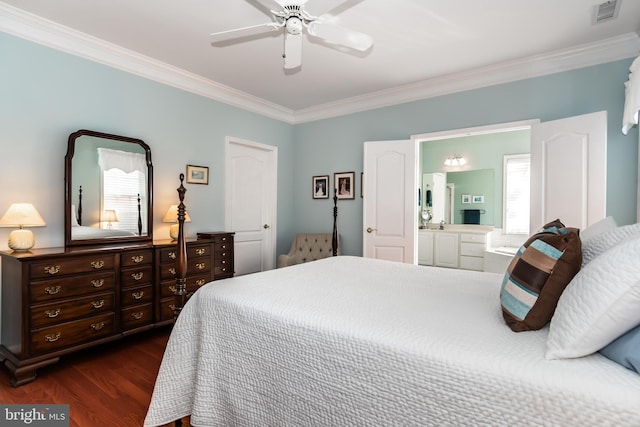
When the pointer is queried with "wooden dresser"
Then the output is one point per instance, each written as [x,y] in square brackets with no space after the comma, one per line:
[57,301]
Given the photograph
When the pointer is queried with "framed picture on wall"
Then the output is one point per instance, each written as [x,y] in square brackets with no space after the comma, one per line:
[344,182]
[478,199]
[197,174]
[320,187]
[466,198]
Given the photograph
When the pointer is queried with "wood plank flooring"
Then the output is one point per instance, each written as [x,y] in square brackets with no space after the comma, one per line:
[109,385]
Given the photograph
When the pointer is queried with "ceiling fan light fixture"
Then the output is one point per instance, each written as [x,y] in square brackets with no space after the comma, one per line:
[291,18]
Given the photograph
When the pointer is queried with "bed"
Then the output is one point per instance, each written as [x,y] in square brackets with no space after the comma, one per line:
[350,341]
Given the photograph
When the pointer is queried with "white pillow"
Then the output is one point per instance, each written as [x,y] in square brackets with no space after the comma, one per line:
[601,303]
[599,244]
[598,228]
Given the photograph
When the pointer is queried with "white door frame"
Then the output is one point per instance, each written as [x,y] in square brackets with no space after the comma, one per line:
[270,215]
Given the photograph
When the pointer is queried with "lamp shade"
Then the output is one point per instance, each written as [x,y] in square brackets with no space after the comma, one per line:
[109,215]
[22,215]
[172,215]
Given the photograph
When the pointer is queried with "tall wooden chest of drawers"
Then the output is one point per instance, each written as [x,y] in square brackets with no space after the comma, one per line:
[223,252]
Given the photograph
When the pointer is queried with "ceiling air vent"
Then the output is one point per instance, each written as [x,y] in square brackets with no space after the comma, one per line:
[606,11]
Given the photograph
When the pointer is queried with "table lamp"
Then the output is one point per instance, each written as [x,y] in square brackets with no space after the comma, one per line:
[21,215]
[109,216]
[172,216]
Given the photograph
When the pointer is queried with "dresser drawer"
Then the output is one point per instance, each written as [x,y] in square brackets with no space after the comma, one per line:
[169,255]
[64,266]
[225,246]
[139,315]
[472,249]
[168,287]
[136,276]
[71,333]
[49,314]
[132,258]
[194,266]
[473,237]
[167,306]
[139,295]
[49,290]
[222,267]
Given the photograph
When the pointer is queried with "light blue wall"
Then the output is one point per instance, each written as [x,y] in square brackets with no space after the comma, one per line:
[46,94]
[336,145]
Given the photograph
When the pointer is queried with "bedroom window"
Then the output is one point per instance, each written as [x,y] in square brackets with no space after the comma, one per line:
[123,181]
[517,169]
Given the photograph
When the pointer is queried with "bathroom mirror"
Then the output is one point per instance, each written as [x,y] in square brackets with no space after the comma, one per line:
[108,189]
[465,197]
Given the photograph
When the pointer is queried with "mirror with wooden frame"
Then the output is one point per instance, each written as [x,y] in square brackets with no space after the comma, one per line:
[108,189]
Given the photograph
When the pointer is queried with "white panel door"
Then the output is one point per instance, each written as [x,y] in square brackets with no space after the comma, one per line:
[250,203]
[390,200]
[569,171]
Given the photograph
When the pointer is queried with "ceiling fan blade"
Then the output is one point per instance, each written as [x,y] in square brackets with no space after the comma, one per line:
[341,36]
[320,7]
[244,32]
[292,50]
[269,4]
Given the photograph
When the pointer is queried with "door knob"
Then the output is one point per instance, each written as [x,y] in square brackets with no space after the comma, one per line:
[266,226]
[370,230]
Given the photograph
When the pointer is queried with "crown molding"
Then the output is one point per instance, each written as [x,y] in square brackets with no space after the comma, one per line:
[612,49]
[34,28]
[48,33]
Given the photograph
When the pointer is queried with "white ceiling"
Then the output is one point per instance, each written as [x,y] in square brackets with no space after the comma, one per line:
[415,41]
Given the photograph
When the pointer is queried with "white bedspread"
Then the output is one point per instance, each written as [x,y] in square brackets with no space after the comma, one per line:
[350,341]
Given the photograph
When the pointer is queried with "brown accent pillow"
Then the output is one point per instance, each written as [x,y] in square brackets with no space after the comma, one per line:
[537,276]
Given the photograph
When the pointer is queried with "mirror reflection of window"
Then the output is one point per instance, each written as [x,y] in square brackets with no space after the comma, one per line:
[517,169]
[123,182]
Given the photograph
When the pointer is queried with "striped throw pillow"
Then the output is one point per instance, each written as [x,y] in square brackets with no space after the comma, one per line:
[537,275]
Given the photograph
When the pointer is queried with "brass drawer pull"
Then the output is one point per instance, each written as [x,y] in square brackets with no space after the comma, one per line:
[224,261]
[137,295]
[97,264]
[173,289]
[137,258]
[52,290]
[172,255]
[52,269]
[172,307]
[53,338]
[223,254]
[224,269]
[201,251]
[138,315]
[137,276]
[172,271]
[224,246]
[97,326]
[52,313]
[97,283]
[98,304]
[200,282]
[201,266]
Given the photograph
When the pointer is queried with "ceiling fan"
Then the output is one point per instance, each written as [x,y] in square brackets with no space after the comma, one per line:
[291,17]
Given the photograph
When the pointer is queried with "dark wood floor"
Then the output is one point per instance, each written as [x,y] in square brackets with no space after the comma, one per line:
[108,385]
